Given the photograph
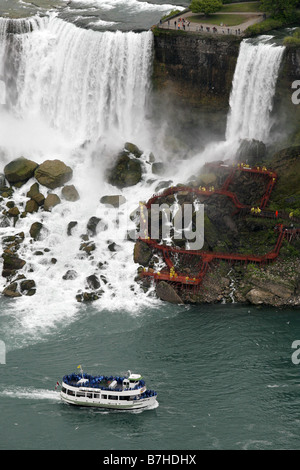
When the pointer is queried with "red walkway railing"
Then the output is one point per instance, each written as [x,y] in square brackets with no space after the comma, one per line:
[205,258]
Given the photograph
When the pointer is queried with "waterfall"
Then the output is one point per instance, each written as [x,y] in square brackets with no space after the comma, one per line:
[253,90]
[251,102]
[82,82]
[65,87]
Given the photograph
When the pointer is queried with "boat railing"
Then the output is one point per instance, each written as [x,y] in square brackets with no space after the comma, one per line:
[94,382]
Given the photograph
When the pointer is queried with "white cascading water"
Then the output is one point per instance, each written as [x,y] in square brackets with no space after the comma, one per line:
[69,87]
[76,95]
[253,91]
[251,100]
[82,82]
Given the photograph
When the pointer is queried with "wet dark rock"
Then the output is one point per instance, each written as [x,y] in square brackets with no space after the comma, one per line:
[35,230]
[70,275]
[71,225]
[89,296]
[11,263]
[92,225]
[95,225]
[31,206]
[51,201]
[88,247]
[39,198]
[93,282]
[11,290]
[13,212]
[113,247]
[19,170]
[126,172]
[28,287]
[133,149]
[34,189]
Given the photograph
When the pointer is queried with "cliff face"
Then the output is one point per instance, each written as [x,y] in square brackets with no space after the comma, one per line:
[196,69]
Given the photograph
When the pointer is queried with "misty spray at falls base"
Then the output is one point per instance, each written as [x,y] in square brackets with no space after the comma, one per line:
[78,96]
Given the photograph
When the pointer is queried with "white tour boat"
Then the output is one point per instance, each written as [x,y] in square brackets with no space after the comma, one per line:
[118,393]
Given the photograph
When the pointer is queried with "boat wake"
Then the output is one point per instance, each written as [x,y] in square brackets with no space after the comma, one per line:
[30,393]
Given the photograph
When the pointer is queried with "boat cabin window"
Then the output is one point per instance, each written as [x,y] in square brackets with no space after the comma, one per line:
[70,392]
[80,394]
[96,395]
[89,395]
[104,397]
[112,397]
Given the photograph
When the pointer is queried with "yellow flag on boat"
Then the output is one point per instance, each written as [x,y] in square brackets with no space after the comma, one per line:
[78,367]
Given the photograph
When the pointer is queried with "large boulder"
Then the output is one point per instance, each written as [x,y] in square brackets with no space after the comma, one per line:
[53,173]
[11,290]
[11,263]
[166,292]
[20,170]
[259,296]
[126,171]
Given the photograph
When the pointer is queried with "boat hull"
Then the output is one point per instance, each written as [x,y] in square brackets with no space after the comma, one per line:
[110,405]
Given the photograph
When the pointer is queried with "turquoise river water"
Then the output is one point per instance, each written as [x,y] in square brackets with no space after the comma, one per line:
[224,376]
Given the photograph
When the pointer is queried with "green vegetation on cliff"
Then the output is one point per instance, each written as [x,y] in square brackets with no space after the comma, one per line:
[281,13]
[280,9]
[293,40]
[206,6]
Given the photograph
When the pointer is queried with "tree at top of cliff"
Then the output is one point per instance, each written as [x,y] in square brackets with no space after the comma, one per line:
[279,8]
[206,6]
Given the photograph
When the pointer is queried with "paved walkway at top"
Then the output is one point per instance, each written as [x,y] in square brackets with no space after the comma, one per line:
[182,22]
